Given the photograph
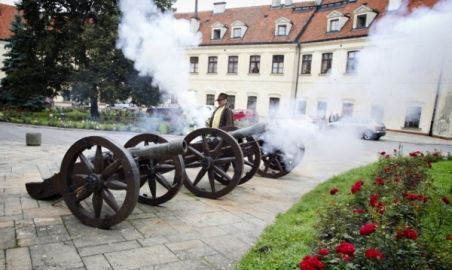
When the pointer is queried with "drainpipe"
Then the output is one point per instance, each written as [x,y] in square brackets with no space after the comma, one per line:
[297,77]
[435,105]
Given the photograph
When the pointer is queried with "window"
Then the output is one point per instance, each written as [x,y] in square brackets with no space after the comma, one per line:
[273,104]
[282,30]
[327,59]
[210,99]
[376,113]
[233,64]
[236,32]
[306,64]
[347,109]
[231,102]
[194,64]
[351,61]
[216,33]
[255,61]
[334,25]
[413,116]
[301,106]
[251,104]
[278,64]
[212,65]
[361,21]
[321,109]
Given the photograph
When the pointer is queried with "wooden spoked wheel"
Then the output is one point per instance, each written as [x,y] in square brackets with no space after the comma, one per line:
[209,150]
[276,164]
[100,181]
[164,177]
[251,158]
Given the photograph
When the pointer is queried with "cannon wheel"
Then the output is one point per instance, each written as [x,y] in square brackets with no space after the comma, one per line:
[88,191]
[210,149]
[152,172]
[274,166]
[252,158]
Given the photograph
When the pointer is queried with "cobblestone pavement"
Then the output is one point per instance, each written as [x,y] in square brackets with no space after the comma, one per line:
[184,233]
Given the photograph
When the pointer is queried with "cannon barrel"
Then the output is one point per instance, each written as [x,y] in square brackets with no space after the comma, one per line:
[256,129]
[158,151]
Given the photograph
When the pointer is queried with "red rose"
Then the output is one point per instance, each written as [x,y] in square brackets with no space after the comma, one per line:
[382,153]
[367,229]
[373,201]
[346,248]
[379,181]
[334,191]
[445,200]
[359,211]
[411,196]
[380,208]
[324,251]
[357,186]
[374,253]
[311,263]
[408,233]
[449,238]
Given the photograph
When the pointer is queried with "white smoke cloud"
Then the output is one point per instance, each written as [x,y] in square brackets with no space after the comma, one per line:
[156,42]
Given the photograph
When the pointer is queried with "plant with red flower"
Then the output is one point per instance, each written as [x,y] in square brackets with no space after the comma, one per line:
[380,208]
[346,248]
[379,181]
[373,201]
[408,233]
[367,229]
[334,190]
[324,251]
[311,263]
[449,238]
[357,186]
[382,153]
[445,200]
[374,253]
[359,211]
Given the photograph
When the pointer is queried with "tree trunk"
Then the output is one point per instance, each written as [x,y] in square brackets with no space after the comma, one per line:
[94,107]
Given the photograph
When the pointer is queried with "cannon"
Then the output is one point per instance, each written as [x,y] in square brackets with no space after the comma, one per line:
[100,180]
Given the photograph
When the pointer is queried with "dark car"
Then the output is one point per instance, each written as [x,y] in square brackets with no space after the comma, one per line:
[367,129]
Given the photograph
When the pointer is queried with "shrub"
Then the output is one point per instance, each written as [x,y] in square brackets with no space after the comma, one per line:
[394,220]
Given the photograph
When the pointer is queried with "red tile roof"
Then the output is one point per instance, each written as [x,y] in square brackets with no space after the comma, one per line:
[419,3]
[261,21]
[317,30]
[7,13]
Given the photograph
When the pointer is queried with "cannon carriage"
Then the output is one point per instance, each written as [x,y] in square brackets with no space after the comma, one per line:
[101,181]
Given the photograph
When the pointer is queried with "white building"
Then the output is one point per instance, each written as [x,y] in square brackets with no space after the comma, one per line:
[7,13]
[307,52]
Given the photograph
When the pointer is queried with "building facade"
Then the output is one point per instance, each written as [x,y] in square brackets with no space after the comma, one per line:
[7,13]
[305,55]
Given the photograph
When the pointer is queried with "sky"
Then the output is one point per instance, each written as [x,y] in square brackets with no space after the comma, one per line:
[188,5]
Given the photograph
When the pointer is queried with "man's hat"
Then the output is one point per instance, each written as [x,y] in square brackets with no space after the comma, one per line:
[222,96]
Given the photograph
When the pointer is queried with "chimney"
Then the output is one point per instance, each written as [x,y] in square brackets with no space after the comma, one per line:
[394,5]
[288,2]
[194,22]
[318,2]
[276,3]
[195,15]
[219,7]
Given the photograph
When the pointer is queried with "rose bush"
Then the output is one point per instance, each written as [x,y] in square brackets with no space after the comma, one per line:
[385,224]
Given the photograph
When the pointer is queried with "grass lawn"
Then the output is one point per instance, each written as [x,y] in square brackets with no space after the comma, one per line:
[285,243]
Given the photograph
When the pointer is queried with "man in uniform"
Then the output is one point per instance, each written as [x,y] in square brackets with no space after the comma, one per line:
[222,116]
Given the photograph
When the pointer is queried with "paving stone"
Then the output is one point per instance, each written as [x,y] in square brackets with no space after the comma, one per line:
[12,206]
[153,227]
[97,262]
[18,258]
[229,246]
[153,241]
[190,249]
[220,262]
[2,208]
[83,235]
[2,260]
[128,231]
[28,203]
[55,256]
[212,231]
[43,240]
[210,219]
[186,265]
[7,238]
[45,212]
[25,229]
[141,257]
[11,218]
[47,221]
[49,230]
[101,249]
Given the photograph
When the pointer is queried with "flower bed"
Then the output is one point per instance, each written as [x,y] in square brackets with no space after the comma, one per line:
[395,220]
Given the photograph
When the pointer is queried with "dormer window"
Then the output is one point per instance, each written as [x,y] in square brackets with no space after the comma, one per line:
[336,21]
[238,29]
[363,17]
[218,31]
[334,25]
[283,27]
[361,21]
